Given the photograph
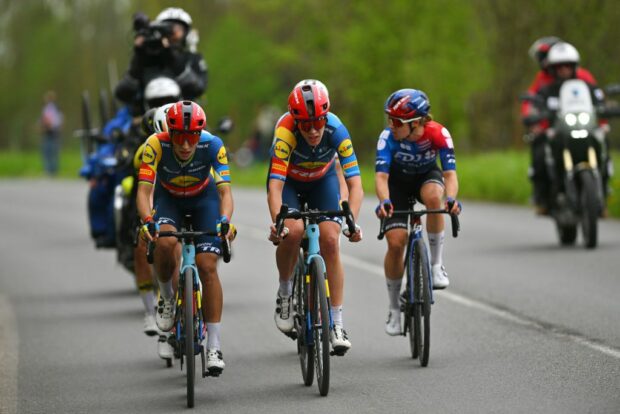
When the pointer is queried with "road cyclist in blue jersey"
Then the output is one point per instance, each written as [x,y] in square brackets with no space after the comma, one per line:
[308,138]
[406,166]
[176,166]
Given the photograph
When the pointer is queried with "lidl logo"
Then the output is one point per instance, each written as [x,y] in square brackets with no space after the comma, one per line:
[282,149]
[221,156]
[148,156]
[345,149]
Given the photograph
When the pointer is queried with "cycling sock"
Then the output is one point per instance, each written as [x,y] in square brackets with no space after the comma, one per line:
[435,242]
[165,289]
[149,301]
[337,315]
[286,287]
[213,335]
[393,287]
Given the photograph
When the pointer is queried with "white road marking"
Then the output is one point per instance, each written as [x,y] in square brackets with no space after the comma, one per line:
[8,358]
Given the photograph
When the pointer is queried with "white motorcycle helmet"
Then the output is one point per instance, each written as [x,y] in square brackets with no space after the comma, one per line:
[159,119]
[175,14]
[562,52]
[161,91]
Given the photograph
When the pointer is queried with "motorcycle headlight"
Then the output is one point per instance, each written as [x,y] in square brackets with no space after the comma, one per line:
[584,118]
[570,119]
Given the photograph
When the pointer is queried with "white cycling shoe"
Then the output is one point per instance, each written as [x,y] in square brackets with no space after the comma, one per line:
[440,277]
[150,326]
[164,316]
[283,315]
[164,349]
[215,362]
[392,325]
[340,341]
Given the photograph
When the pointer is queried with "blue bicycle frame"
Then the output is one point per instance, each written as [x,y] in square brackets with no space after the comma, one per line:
[189,262]
[416,234]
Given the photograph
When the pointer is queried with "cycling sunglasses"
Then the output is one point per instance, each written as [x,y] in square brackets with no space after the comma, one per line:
[179,138]
[307,125]
[398,122]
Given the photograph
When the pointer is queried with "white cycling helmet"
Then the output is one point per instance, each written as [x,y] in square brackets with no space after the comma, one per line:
[175,14]
[160,91]
[562,52]
[159,119]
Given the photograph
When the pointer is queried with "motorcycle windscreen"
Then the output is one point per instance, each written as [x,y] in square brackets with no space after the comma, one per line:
[575,98]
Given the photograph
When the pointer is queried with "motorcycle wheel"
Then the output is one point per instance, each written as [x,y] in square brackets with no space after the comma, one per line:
[590,207]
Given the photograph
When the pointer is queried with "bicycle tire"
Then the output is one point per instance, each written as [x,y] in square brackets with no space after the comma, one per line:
[411,326]
[422,305]
[306,358]
[320,323]
[188,327]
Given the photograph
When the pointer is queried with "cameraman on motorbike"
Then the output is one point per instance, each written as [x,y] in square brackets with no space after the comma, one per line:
[562,64]
[161,49]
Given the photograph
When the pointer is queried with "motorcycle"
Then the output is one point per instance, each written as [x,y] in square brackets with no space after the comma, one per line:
[575,159]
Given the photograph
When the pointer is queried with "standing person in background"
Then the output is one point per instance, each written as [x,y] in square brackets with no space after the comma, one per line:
[51,122]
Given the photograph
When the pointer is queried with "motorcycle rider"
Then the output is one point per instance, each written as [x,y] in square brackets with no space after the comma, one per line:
[563,64]
[546,76]
[161,49]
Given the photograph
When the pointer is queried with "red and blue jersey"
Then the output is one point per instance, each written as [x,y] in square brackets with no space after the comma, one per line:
[292,157]
[184,178]
[411,158]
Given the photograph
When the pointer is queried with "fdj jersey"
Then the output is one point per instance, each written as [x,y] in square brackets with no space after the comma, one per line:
[411,158]
[292,157]
[184,178]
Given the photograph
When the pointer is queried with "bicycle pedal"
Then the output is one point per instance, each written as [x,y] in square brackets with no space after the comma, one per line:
[214,372]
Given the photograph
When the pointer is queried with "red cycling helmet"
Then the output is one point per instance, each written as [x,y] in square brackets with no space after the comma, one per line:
[309,100]
[186,116]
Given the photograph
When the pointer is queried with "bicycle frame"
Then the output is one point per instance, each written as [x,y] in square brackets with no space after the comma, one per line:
[415,233]
[188,261]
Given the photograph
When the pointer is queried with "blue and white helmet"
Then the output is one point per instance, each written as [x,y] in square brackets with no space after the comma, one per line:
[407,104]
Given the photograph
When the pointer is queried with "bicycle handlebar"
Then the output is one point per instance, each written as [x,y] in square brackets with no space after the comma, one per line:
[188,236]
[296,215]
[456,226]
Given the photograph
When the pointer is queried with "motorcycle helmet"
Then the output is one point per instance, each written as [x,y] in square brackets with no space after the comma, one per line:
[309,100]
[160,91]
[540,49]
[562,53]
[407,104]
[160,123]
[175,14]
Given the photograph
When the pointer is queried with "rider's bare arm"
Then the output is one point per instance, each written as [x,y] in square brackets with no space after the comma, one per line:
[143,200]
[226,200]
[274,197]
[356,194]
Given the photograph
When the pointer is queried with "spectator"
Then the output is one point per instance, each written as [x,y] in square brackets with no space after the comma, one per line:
[51,122]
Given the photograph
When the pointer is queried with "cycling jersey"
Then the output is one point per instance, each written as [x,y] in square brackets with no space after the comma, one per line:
[292,157]
[410,158]
[184,178]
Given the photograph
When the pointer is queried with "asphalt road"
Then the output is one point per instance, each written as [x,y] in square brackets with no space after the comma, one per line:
[526,326]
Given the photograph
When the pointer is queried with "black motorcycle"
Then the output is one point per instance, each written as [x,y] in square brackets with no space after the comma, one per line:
[575,159]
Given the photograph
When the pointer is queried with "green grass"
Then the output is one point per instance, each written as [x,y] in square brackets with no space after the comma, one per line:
[499,176]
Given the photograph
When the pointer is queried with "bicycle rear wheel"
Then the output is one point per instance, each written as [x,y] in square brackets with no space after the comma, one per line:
[305,352]
[422,302]
[188,327]
[320,323]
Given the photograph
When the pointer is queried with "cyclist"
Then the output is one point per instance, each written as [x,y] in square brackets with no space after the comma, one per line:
[177,165]
[307,138]
[406,165]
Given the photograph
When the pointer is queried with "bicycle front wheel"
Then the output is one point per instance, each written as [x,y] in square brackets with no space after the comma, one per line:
[422,302]
[320,323]
[188,327]
[306,359]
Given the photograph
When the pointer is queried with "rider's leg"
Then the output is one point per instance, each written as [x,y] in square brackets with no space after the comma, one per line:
[287,253]
[212,297]
[393,264]
[144,282]
[432,196]
[166,262]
